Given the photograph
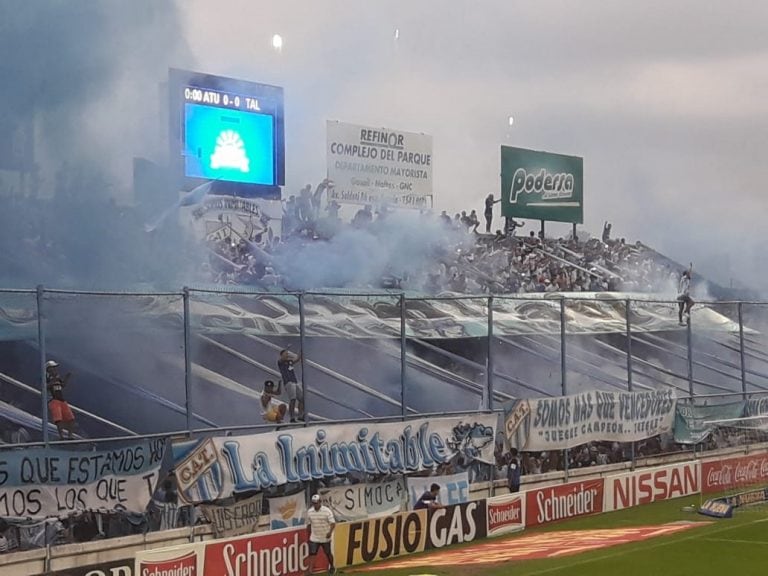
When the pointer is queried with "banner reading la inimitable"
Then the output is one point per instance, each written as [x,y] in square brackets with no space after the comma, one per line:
[43,482]
[379,166]
[568,421]
[542,185]
[212,468]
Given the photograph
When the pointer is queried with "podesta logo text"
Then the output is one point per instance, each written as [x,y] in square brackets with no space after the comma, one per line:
[550,186]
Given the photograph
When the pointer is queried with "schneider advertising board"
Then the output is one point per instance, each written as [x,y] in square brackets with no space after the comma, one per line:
[379,165]
[541,185]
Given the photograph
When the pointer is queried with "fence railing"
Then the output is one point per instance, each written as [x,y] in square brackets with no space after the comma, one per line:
[174,354]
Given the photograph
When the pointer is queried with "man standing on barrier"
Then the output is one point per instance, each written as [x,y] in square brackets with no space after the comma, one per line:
[293,388]
[320,524]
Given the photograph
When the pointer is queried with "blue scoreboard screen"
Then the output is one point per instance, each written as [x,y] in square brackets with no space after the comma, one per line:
[229,131]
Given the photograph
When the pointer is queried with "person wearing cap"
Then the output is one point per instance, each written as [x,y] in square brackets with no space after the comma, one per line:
[61,413]
[273,411]
[320,524]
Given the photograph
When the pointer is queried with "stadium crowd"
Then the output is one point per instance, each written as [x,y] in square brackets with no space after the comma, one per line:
[468,262]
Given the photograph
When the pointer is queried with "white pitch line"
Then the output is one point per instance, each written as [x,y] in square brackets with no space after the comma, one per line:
[624,552]
[734,541]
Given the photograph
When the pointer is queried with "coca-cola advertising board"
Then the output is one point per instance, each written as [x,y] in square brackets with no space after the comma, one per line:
[505,514]
[730,473]
[277,553]
[571,500]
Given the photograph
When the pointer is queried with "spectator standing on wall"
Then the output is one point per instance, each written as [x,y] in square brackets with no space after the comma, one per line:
[320,525]
[61,413]
[489,202]
[293,387]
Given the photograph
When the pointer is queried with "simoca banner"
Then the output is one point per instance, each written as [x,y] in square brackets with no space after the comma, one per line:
[213,468]
[361,501]
[278,553]
[407,533]
[43,482]
[505,514]
[729,473]
[545,505]
[542,185]
[379,166]
[648,485]
[568,421]
[693,424]
[454,488]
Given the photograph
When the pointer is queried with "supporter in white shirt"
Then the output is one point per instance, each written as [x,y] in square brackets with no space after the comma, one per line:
[320,523]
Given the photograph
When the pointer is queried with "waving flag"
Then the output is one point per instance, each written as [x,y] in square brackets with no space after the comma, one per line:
[194,196]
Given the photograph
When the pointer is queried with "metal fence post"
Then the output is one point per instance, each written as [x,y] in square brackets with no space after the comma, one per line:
[742,364]
[563,370]
[302,352]
[627,319]
[187,361]
[403,358]
[489,392]
[42,360]
[690,359]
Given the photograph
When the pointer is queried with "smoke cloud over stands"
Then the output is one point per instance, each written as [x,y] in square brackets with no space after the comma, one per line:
[86,75]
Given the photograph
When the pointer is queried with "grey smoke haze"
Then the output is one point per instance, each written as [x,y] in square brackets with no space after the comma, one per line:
[86,74]
[666,101]
[407,247]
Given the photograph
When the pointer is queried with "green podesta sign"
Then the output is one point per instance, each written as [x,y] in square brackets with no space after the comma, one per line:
[541,185]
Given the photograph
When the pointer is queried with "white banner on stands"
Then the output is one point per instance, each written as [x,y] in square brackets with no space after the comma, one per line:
[46,482]
[361,501]
[287,511]
[212,468]
[569,421]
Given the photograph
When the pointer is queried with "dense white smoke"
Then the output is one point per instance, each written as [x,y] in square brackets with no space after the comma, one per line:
[84,77]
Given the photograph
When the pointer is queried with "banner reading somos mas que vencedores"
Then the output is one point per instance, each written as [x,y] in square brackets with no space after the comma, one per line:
[541,185]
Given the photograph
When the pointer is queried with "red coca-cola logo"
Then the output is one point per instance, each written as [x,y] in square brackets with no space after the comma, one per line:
[183,566]
[742,471]
[722,476]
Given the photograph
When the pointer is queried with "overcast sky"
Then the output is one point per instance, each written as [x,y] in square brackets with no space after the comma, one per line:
[667,101]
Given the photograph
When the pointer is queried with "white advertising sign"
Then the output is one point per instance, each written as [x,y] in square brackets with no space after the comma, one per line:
[379,166]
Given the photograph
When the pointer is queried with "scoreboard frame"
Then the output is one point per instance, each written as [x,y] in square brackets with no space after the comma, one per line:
[187,87]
